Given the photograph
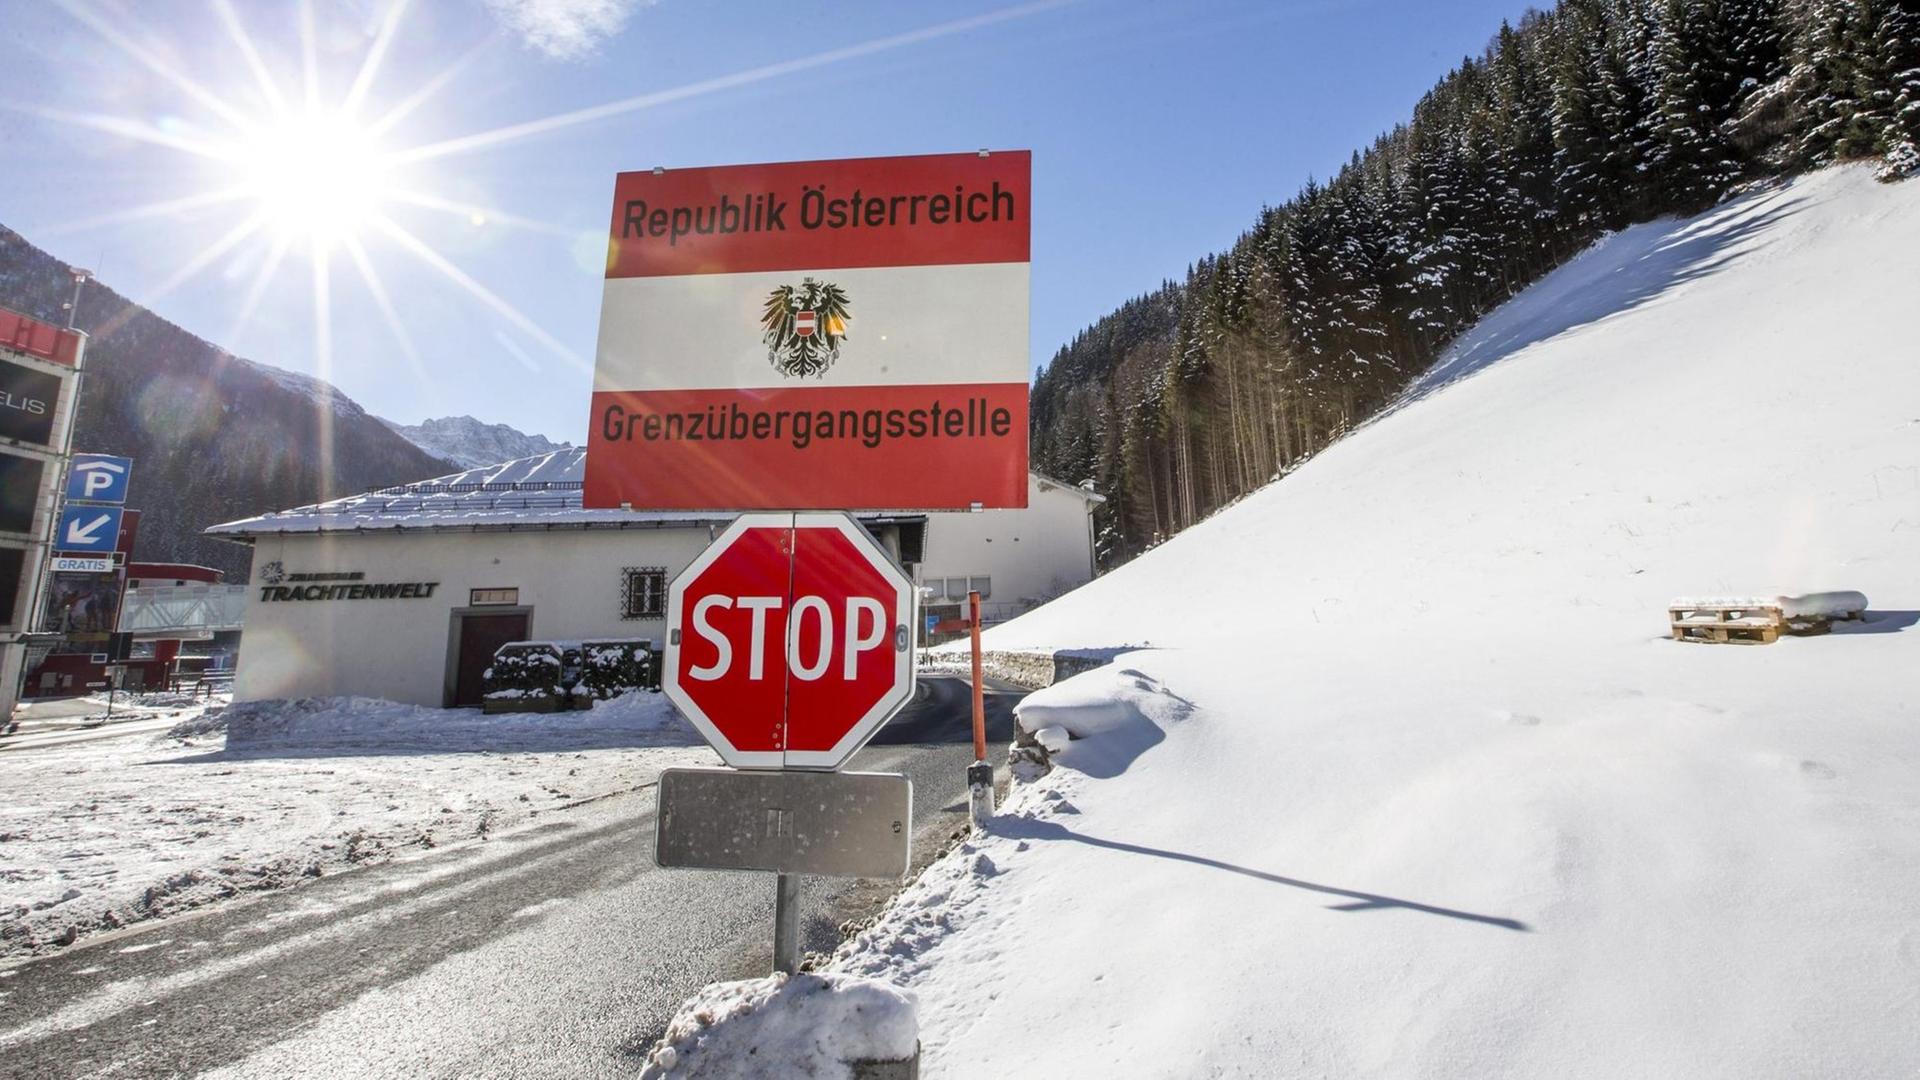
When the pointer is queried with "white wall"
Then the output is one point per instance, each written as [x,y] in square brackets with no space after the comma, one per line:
[1030,555]
[570,578]
[397,649]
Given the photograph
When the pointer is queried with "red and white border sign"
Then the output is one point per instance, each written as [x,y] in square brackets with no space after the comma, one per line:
[816,335]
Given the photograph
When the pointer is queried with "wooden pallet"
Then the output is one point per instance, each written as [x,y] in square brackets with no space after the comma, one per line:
[1726,623]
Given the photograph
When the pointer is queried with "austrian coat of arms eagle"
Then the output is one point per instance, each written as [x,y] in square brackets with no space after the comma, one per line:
[803,326]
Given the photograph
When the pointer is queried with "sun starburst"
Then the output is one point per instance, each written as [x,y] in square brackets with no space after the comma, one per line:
[319,180]
[316,176]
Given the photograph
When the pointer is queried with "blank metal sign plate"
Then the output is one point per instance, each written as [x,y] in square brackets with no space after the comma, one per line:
[830,824]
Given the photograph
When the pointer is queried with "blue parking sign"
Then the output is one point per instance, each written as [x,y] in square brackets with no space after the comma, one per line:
[88,530]
[99,478]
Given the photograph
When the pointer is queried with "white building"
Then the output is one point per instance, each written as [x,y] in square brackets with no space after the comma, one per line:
[404,593]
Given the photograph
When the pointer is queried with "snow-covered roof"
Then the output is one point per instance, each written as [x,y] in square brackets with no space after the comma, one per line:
[1085,491]
[538,492]
[531,492]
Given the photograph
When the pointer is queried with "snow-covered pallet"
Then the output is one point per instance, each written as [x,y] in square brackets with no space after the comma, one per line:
[1753,620]
[1743,622]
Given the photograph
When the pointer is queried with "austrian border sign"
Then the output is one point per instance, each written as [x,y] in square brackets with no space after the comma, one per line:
[815,335]
[789,641]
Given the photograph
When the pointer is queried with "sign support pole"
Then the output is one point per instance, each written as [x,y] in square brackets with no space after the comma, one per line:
[980,773]
[786,923]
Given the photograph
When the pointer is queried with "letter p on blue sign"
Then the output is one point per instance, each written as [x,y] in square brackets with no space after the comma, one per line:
[99,478]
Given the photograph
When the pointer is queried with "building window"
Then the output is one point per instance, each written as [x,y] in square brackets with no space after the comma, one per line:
[643,592]
[981,585]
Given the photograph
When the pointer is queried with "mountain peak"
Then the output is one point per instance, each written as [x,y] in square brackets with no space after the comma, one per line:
[472,443]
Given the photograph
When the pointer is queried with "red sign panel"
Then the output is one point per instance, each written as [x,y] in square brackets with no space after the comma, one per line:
[35,338]
[932,210]
[815,335]
[789,641]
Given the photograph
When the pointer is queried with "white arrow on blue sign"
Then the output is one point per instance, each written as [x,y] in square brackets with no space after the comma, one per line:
[99,478]
[88,530]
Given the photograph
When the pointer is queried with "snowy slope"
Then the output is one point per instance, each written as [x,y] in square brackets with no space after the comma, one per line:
[1587,445]
[1409,781]
[472,444]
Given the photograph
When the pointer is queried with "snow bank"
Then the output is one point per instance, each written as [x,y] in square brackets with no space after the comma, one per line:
[1098,721]
[1449,802]
[785,1026]
[98,835]
[333,723]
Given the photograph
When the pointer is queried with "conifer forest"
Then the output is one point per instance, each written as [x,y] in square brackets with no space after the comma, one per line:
[1576,122]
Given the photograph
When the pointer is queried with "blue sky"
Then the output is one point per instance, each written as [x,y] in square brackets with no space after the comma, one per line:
[141,140]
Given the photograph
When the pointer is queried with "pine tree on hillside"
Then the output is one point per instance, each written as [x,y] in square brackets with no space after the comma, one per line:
[1691,161]
[1895,50]
[1581,135]
[1824,61]
[1754,55]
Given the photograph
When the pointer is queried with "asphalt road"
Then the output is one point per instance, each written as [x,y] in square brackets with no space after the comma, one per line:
[560,951]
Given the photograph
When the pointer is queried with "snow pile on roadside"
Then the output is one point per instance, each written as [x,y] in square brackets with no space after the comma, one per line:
[783,1026]
[1099,721]
[102,834]
[328,724]
[1448,801]
[155,699]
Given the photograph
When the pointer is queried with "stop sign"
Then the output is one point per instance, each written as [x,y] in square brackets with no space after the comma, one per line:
[787,641]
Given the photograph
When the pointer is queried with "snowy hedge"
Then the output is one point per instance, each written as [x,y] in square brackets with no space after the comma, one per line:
[524,670]
[608,669]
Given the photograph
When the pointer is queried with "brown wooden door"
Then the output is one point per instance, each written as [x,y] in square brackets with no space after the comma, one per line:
[480,636]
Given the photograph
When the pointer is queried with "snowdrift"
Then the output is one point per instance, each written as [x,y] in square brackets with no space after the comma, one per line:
[1442,798]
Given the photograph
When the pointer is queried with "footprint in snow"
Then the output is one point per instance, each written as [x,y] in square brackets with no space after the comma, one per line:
[1817,770]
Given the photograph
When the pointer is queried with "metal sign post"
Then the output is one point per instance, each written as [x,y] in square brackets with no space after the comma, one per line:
[829,824]
[786,923]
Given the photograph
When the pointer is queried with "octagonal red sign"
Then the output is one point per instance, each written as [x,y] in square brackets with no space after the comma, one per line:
[789,641]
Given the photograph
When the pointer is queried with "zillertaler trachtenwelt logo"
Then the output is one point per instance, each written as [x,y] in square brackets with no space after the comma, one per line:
[729,374]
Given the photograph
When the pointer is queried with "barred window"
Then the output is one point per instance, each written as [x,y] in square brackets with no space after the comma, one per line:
[643,592]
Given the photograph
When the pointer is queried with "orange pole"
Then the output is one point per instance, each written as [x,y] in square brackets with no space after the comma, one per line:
[979,684]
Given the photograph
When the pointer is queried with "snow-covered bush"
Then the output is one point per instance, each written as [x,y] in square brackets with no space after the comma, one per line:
[1902,161]
[528,673]
[610,668]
